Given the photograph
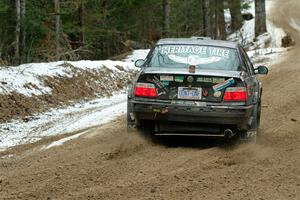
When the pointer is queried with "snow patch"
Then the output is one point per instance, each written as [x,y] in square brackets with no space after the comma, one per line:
[246,35]
[137,54]
[62,141]
[266,56]
[64,120]
[20,79]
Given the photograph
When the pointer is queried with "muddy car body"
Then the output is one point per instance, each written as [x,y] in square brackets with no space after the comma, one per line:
[196,87]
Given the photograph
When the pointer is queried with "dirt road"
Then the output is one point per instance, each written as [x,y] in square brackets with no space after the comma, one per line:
[107,163]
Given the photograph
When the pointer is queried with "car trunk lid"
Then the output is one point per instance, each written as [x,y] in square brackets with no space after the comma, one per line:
[201,86]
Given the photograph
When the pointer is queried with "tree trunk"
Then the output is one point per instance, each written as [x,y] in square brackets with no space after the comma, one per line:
[206,18]
[18,25]
[81,21]
[166,18]
[23,29]
[236,15]
[213,19]
[260,17]
[57,28]
[221,32]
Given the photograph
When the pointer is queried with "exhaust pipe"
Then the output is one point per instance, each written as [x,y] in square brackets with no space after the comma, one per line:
[228,133]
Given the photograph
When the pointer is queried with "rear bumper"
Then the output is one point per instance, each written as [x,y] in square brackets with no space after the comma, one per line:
[228,115]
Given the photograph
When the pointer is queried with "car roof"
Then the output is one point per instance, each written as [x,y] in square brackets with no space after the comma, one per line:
[198,41]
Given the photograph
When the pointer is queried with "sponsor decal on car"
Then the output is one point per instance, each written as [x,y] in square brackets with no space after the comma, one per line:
[218,80]
[205,92]
[166,78]
[223,85]
[192,68]
[190,79]
[165,83]
[179,79]
[217,94]
[210,79]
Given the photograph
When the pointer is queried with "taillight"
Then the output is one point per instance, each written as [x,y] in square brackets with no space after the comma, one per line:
[145,90]
[235,94]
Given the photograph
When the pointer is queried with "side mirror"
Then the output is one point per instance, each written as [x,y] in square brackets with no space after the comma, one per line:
[261,70]
[139,63]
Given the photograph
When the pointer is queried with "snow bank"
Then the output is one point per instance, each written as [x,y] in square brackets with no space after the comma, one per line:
[26,79]
[246,35]
[267,56]
[64,120]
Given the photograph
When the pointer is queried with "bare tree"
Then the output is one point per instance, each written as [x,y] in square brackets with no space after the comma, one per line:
[220,19]
[166,18]
[57,28]
[260,17]
[81,21]
[18,27]
[23,28]
[213,19]
[206,18]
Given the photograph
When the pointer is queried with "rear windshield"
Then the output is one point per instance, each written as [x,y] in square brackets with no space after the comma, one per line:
[203,57]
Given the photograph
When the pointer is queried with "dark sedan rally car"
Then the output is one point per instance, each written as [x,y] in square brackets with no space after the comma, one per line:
[196,87]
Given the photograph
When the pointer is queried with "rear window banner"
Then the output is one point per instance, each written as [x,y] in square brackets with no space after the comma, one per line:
[194,59]
[200,56]
[170,49]
[197,50]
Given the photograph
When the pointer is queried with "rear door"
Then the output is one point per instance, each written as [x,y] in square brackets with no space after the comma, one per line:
[251,80]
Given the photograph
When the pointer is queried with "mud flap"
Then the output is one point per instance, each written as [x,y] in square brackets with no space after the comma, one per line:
[131,121]
[248,136]
[254,121]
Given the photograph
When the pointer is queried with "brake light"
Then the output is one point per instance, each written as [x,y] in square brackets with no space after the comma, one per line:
[145,90]
[235,94]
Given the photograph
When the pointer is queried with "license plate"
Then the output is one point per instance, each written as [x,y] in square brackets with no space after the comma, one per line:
[189,93]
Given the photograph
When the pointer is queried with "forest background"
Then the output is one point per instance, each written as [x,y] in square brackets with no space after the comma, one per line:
[49,30]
